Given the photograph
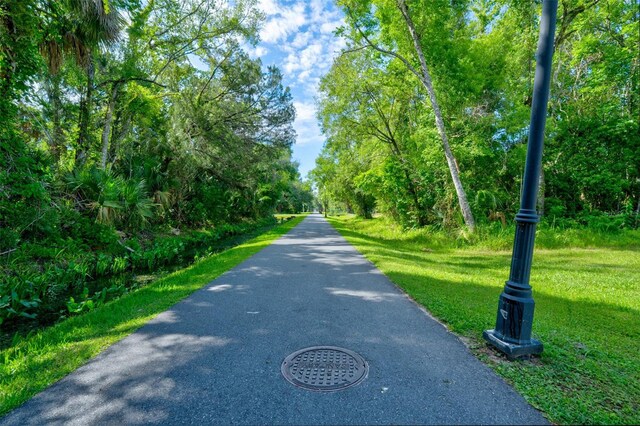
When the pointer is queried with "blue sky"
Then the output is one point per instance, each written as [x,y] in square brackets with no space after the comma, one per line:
[298,38]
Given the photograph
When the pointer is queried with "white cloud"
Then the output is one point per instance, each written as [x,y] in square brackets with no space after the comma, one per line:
[300,40]
[305,111]
[338,44]
[306,125]
[304,75]
[320,12]
[260,51]
[198,63]
[282,21]
[273,31]
[269,7]
[311,85]
[308,133]
[317,8]
[329,27]
[256,52]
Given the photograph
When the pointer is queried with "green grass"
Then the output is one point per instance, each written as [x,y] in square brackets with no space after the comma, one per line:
[587,310]
[285,215]
[41,359]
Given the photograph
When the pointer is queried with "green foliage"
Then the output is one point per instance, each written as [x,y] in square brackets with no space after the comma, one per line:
[381,137]
[24,202]
[113,199]
[45,282]
[297,197]
[597,167]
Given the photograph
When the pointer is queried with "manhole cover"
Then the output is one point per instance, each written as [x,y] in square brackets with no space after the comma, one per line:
[324,368]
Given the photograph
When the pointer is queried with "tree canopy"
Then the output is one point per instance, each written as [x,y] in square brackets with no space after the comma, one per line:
[137,112]
[426,111]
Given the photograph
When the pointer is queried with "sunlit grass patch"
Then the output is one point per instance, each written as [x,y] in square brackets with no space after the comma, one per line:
[41,359]
[587,294]
[286,215]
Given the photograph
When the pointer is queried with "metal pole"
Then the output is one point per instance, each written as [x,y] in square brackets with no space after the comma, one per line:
[512,333]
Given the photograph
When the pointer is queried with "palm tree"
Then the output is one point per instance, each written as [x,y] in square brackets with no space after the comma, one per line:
[80,27]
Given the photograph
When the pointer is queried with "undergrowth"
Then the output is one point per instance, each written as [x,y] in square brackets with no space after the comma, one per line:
[43,282]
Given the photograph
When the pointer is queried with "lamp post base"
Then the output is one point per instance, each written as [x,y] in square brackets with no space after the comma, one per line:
[512,350]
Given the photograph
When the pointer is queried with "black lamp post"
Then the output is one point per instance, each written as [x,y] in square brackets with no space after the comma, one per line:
[512,334]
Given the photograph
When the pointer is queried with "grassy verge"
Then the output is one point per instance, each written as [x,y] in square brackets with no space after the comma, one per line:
[587,313]
[286,215]
[41,359]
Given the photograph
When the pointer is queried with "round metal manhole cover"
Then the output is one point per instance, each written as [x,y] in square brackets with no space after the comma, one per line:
[324,368]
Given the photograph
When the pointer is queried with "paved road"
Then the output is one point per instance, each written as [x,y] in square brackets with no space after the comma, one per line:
[215,357]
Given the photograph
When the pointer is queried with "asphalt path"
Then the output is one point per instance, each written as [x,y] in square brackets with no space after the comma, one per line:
[215,357]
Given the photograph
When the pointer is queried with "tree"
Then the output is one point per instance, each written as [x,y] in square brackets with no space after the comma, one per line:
[423,75]
[77,29]
[356,109]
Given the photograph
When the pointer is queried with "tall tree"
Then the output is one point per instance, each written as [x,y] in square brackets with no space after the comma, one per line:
[77,29]
[423,75]
[356,108]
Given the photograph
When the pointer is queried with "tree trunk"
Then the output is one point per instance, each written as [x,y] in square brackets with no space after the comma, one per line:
[120,129]
[395,149]
[55,100]
[85,114]
[414,195]
[106,131]
[427,82]
[8,51]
